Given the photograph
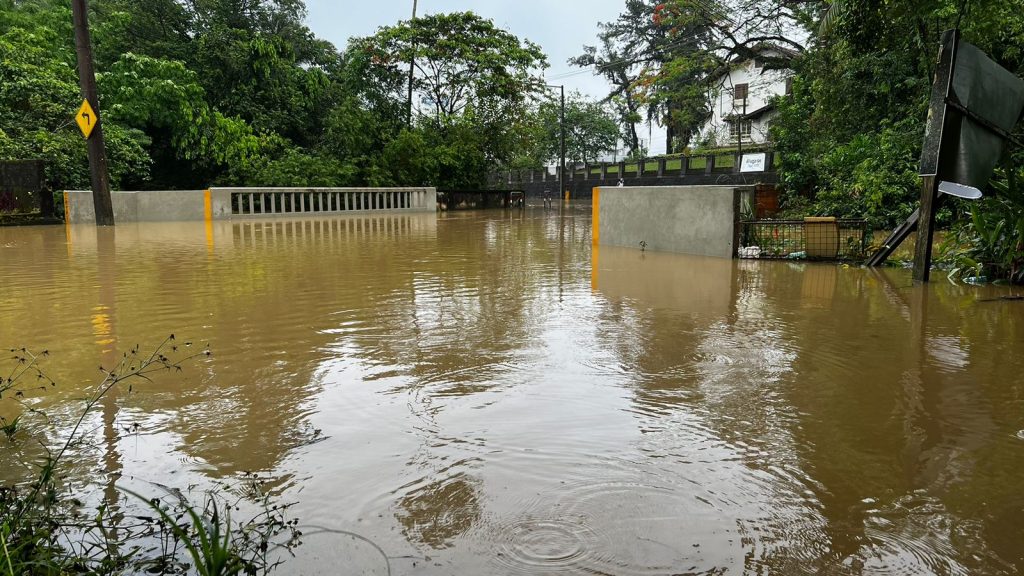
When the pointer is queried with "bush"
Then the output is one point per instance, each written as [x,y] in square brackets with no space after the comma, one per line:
[991,242]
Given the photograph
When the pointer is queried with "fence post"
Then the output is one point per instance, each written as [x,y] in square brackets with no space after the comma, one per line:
[661,167]
[709,164]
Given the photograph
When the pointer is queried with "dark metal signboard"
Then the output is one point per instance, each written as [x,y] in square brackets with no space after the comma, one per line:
[970,118]
[975,104]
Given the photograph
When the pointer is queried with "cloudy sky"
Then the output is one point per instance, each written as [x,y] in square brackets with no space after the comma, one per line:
[560,27]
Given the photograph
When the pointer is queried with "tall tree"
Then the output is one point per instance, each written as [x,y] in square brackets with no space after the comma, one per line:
[591,129]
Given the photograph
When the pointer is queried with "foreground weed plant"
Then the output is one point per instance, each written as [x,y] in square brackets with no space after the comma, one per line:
[44,531]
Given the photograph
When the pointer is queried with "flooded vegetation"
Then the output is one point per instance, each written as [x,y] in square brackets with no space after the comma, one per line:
[485,393]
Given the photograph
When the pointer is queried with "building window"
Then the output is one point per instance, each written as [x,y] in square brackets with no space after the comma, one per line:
[740,91]
[740,128]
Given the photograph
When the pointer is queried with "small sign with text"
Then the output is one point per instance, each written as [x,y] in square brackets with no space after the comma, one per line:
[753,162]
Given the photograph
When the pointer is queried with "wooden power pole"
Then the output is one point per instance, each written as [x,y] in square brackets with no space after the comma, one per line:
[412,64]
[87,80]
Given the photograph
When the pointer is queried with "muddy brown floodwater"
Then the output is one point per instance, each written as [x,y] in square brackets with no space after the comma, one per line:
[484,393]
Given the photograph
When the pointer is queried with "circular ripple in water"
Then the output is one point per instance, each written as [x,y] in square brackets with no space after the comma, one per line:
[610,527]
[551,545]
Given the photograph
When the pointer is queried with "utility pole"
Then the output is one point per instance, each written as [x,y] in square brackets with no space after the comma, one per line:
[412,64]
[87,80]
[561,145]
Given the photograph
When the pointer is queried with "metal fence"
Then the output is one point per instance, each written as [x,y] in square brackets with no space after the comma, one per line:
[811,238]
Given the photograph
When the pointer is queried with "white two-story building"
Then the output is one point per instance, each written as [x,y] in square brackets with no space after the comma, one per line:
[741,100]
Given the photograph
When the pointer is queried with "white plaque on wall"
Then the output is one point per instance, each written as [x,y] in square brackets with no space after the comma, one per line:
[753,162]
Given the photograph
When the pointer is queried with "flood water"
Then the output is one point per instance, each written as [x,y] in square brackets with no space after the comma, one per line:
[484,393]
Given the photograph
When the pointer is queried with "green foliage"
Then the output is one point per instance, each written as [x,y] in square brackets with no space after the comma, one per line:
[591,129]
[219,92]
[873,176]
[990,243]
[39,96]
[463,61]
[850,135]
[298,168]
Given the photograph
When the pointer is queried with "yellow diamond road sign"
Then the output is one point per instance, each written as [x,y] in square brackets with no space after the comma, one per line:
[86,118]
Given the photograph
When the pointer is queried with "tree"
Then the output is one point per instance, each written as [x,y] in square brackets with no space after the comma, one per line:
[657,62]
[39,94]
[473,85]
[591,129]
[617,68]
[461,61]
[850,136]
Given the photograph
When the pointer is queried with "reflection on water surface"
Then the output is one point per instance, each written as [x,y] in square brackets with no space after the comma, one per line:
[483,393]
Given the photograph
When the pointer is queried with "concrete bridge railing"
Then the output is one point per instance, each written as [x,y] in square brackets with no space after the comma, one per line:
[241,203]
[291,201]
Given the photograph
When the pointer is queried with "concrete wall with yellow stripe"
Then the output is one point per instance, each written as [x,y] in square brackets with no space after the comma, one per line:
[241,203]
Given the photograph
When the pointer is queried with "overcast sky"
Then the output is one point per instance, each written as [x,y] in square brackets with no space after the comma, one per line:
[560,27]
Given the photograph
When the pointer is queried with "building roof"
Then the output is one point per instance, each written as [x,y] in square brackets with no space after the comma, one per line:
[757,49]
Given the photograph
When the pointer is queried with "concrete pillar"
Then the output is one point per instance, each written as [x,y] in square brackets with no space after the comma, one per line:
[661,167]
[709,166]
[604,170]
[622,170]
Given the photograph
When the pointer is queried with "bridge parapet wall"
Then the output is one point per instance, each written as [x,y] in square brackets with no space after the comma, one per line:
[242,203]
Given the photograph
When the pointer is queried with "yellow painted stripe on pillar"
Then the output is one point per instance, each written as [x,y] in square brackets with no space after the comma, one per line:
[208,214]
[67,222]
[207,205]
[595,235]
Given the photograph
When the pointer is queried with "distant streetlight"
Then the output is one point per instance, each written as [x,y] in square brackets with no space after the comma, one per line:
[561,141]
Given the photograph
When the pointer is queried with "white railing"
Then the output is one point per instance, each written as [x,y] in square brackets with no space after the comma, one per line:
[295,201]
